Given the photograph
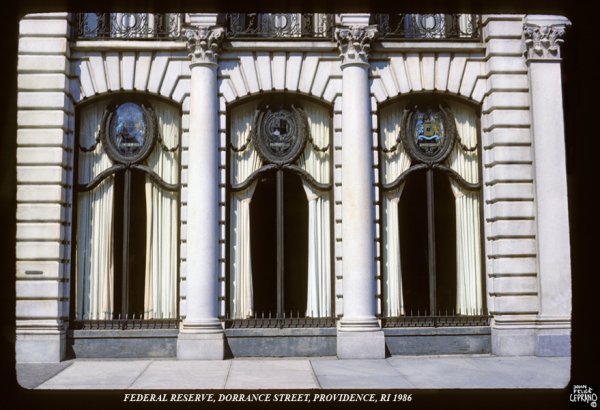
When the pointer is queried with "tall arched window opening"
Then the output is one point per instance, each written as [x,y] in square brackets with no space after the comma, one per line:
[431,209]
[280,210]
[126,229]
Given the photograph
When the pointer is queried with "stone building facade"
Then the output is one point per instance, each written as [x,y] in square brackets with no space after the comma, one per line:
[470,104]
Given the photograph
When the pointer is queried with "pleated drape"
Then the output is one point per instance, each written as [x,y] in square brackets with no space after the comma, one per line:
[160,289]
[468,241]
[394,164]
[317,164]
[242,165]
[94,253]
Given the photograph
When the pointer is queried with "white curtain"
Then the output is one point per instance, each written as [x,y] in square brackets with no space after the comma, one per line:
[94,254]
[160,290]
[242,165]
[394,164]
[468,242]
[317,164]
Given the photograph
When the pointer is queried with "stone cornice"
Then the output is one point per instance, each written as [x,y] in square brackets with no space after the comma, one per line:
[543,41]
[355,43]
[204,43]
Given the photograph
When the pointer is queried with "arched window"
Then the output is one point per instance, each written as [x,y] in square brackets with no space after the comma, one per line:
[280,210]
[432,257]
[126,231]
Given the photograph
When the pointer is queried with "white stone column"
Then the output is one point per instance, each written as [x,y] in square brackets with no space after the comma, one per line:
[543,37]
[201,334]
[359,335]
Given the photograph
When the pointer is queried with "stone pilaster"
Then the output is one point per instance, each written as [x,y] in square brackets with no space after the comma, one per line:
[45,120]
[543,37]
[359,334]
[201,335]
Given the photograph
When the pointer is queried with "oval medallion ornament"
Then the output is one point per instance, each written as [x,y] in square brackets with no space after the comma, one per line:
[128,132]
[428,133]
[280,134]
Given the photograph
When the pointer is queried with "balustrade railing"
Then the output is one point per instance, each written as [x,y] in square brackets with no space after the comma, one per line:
[428,26]
[279,26]
[127,26]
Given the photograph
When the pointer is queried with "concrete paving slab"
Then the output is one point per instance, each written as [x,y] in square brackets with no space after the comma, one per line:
[97,374]
[271,374]
[184,374]
[358,374]
[31,375]
[528,372]
[450,373]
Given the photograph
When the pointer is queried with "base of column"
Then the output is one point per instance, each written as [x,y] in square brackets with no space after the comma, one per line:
[201,346]
[513,342]
[40,347]
[360,339]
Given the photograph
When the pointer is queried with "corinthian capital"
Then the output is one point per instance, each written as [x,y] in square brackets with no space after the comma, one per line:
[355,42]
[204,43]
[543,41]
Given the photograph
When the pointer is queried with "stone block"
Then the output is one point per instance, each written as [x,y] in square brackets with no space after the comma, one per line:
[513,247]
[46,27]
[39,250]
[124,344]
[38,309]
[522,304]
[510,118]
[512,209]
[40,348]
[512,154]
[509,173]
[46,156]
[513,285]
[41,193]
[514,266]
[113,71]
[509,29]
[39,289]
[553,343]
[436,341]
[510,191]
[279,67]
[200,346]
[40,212]
[39,231]
[442,66]
[39,269]
[43,45]
[293,67]
[506,136]
[48,100]
[500,82]
[506,64]
[506,99]
[360,345]
[281,342]
[513,342]
[457,69]
[42,118]
[47,82]
[504,46]
[42,63]
[512,228]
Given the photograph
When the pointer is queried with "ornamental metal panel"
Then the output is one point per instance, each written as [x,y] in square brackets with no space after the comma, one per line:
[428,133]
[280,134]
[128,132]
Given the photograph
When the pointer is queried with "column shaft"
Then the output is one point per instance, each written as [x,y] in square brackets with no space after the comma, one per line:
[358,214]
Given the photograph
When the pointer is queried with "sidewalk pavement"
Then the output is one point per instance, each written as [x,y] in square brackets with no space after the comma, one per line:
[397,372]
